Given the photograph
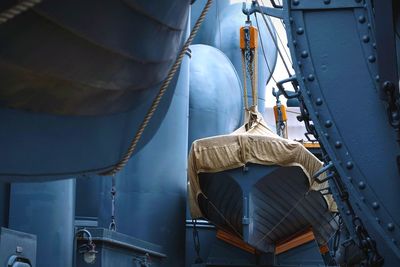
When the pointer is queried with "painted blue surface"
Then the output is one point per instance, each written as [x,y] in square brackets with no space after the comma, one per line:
[88,58]
[340,88]
[151,190]
[95,51]
[46,210]
[223,33]
[215,105]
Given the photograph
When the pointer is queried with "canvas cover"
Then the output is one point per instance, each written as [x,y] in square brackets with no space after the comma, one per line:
[255,143]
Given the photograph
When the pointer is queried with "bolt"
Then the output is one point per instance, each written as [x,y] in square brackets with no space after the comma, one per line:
[375,205]
[319,101]
[365,38]
[296,2]
[338,144]
[371,59]
[304,54]
[390,227]
[311,78]
[361,185]
[328,124]
[300,30]
[361,19]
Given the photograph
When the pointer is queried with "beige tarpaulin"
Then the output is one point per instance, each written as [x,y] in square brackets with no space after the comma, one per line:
[254,143]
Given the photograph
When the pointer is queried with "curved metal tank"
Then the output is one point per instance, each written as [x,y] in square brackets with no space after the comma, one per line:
[224,28]
[211,24]
[151,189]
[46,210]
[96,65]
[215,102]
[88,58]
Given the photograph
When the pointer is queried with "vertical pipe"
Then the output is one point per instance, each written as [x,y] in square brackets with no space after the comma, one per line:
[46,210]
[151,190]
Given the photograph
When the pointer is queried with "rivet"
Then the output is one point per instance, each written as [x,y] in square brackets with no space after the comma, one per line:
[348,212]
[377,78]
[365,38]
[374,45]
[294,42]
[377,220]
[300,30]
[361,185]
[316,114]
[375,205]
[349,165]
[303,79]
[361,19]
[304,54]
[327,2]
[308,92]
[311,77]
[326,135]
[390,227]
[296,2]
[291,20]
[318,101]
[338,144]
[369,25]
[328,124]
[350,179]
[371,59]
[299,64]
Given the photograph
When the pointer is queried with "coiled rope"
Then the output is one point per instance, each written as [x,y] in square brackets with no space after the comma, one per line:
[121,164]
[17,10]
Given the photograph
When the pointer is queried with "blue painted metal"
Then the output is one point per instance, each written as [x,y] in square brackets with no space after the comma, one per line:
[215,103]
[116,249]
[46,210]
[17,249]
[223,33]
[305,255]
[211,25]
[151,190]
[4,203]
[108,58]
[250,203]
[334,75]
[117,56]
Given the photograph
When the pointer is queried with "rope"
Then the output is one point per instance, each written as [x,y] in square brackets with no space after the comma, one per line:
[154,105]
[17,10]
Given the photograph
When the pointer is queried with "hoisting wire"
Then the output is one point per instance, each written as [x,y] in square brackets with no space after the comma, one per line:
[17,10]
[274,40]
[262,48]
[154,105]
[278,36]
[283,218]
[222,216]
